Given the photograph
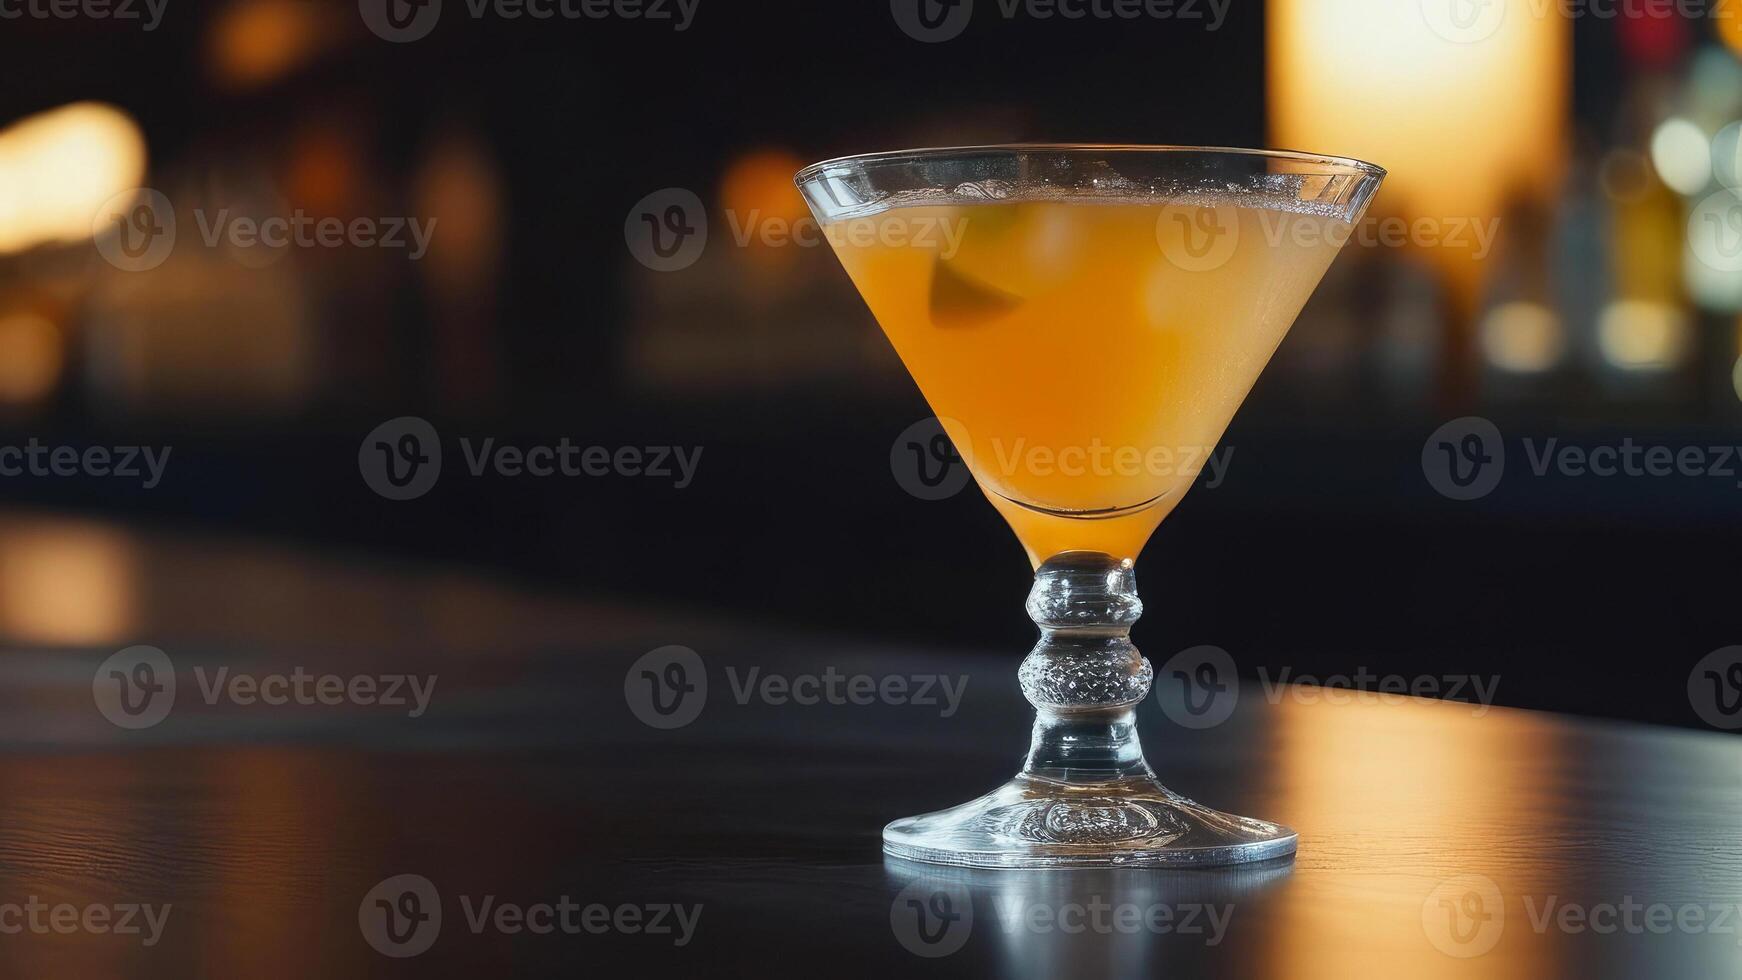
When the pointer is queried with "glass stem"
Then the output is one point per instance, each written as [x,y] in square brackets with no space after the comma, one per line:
[1085,677]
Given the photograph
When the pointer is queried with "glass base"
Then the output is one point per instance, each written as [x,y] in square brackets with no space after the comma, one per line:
[1136,822]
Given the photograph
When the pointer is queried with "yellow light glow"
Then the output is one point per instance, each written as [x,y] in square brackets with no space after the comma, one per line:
[1682,155]
[59,167]
[30,357]
[1641,335]
[1522,337]
[1438,768]
[1730,32]
[66,584]
[1466,119]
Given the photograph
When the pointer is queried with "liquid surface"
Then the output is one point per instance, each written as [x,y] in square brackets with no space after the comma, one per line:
[1085,356]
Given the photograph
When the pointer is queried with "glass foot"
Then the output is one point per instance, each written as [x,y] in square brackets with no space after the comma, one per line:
[1085,797]
[1129,823]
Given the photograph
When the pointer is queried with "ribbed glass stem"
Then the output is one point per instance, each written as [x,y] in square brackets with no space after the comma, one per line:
[1084,677]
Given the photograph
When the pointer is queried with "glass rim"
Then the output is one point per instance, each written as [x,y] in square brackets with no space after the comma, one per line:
[1335,164]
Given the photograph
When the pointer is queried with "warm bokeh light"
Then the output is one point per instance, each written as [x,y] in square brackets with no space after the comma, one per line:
[58,168]
[1440,797]
[1730,32]
[458,186]
[757,195]
[66,584]
[761,182]
[1468,120]
[1682,155]
[256,41]
[1641,335]
[1654,40]
[30,357]
[1522,337]
[323,171]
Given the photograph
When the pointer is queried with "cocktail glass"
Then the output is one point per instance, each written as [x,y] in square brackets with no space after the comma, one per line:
[1085,320]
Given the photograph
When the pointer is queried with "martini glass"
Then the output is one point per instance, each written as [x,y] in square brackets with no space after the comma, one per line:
[1085,320]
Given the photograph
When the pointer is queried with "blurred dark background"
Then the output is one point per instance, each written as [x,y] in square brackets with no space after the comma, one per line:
[1595,317]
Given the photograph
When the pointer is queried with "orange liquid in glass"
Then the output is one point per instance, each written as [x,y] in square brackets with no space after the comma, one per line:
[1086,357]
